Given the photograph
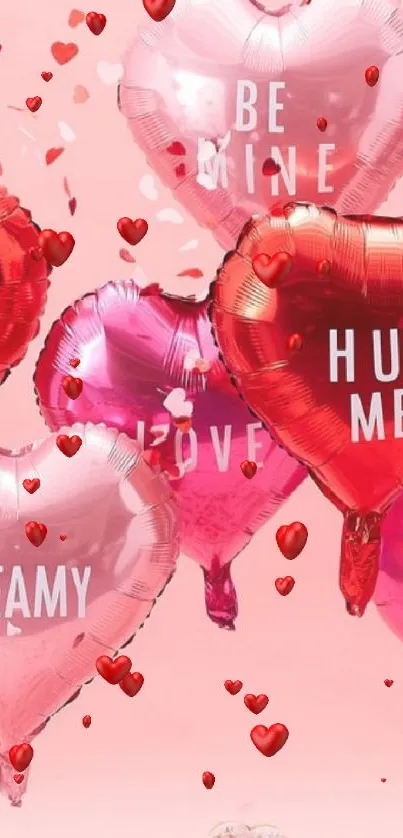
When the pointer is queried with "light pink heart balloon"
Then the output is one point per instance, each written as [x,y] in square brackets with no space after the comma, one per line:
[221,89]
[65,603]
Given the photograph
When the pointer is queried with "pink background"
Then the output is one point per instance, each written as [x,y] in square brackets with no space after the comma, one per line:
[138,769]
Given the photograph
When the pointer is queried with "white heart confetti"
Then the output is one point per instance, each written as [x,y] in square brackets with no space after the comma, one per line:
[176,404]
[12,631]
[67,134]
[109,73]
[206,181]
[170,215]
[192,244]
[147,188]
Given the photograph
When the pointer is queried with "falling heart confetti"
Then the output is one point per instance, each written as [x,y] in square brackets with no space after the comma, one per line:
[177,149]
[80,94]
[18,778]
[36,534]
[33,103]
[72,205]
[383,779]
[132,683]
[66,133]
[56,247]
[63,537]
[75,18]
[31,485]
[96,22]
[192,273]
[74,362]
[73,387]
[208,779]
[109,74]
[248,469]
[86,720]
[270,168]
[388,682]
[269,740]
[125,255]
[323,267]
[113,671]
[170,216]
[63,53]
[372,75]
[284,585]
[47,75]
[69,445]
[294,343]
[159,9]
[272,270]
[52,154]
[132,231]
[21,756]
[147,187]
[256,703]
[321,122]
[233,687]
[291,539]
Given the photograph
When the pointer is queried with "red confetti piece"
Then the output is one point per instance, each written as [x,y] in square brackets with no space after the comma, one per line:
[388,682]
[321,123]
[180,170]
[177,149]
[18,778]
[284,585]
[36,533]
[72,205]
[1,170]
[47,75]
[383,779]
[183,424]
[96,22]
[323,267]
[79,639]
[372,75]
[152,456]
[125,255]
[270,168]
[73,387]
[52,154]
[63,537]
[248,469]
[193,273]
[208,780]
[75,18]
[74,362]
[86,721]
[31,485]
[62,53]
[33,103]
[66,187]
[294,343]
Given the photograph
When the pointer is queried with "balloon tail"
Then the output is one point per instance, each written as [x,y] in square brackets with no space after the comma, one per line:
[360,550]
[8,785]
[220,595]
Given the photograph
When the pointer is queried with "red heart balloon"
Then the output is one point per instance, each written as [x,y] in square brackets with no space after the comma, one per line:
[336,404]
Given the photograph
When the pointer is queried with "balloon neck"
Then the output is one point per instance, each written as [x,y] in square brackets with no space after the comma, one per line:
[359,564]
[278,8]
[8,204]
[220,595]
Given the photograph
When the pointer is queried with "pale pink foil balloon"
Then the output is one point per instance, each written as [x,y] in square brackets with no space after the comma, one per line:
[294,63]
[388,594]
[135,350]
[66,602]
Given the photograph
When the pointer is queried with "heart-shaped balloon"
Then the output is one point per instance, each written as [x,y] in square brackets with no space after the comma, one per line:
[244,103]
[150,367]
[388,594]
[23,282]
[332,397]
[110,546]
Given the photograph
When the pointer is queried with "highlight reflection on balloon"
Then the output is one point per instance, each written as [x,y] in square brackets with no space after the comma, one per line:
[336,404]
[110,548]
[221,94]
[150,367]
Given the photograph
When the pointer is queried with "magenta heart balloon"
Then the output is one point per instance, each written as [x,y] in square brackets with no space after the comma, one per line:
[388,594]
[150,367]
[241,104]
[109,548]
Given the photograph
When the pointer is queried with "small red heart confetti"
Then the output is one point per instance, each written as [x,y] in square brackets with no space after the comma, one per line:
[62,537]
[79,639]
[126,255]
[36,253]
[132,231]
[388,682]
[248,469]
[66,187]
[177,149]
[62,53]
[372,75]
[180,170]
[52,154]
[284,586]
[113,671]
[193,273]
[56,247]
[270,168]
[291,539]
[47,75]
[233,687]
[73,387]
[269,740]
[383,779]
[74,362]
[152,456]
[69,445]
[323,267]
[20,756]
[96,22]
[294,343]
[271,271]
[321,123]
[87,721]
[31,486]
[36,534]
[208,779]
[72,205]
[33,103]
[18,778]
[75,17]
[159,9]
[132,683]
[256,703]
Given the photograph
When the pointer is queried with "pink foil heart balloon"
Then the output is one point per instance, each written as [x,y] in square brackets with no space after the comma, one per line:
[65,603]
[221,94]
[147,362]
